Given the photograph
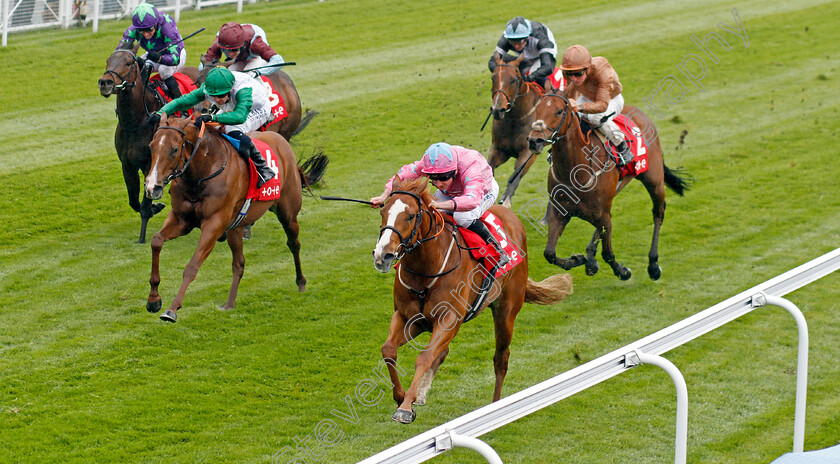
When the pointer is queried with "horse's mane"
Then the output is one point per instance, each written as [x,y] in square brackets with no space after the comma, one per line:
[417,186]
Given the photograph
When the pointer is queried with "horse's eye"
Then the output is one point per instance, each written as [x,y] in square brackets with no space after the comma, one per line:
[411,216]
[173,152]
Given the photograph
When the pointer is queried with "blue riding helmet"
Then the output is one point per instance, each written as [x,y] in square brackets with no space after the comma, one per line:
[145,16]
[518,28]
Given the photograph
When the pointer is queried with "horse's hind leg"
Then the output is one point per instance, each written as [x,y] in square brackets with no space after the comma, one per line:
[504,317]
[426,382]
[619,269]
[292,228]
[657,196]
[234,239]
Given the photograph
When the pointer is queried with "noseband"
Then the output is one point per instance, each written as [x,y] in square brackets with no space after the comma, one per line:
[518,83]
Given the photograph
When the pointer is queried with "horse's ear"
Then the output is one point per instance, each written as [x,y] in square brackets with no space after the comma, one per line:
[204,60]
[518,59]
[497,58]
[136,47]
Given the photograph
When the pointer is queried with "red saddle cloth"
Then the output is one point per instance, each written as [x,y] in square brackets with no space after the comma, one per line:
[278,106]
[633,135]
[481,250]
[271,189]
[184,82]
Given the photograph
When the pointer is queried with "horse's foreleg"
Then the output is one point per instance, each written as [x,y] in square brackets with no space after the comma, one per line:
[234,239]
[438,344]
[290,225]
[591,249]
[556,224]
[211,230]
[516,176]
[426,382]
[397,338]
[172,228]
[503,319]
[619,269]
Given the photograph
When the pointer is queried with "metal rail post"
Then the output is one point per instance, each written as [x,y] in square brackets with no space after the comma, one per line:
[451,439]
[681,441]
[761,299]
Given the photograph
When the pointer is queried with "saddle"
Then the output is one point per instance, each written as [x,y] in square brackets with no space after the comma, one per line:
[633,137]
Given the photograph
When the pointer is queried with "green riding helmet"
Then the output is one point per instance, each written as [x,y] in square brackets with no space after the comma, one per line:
[219,82]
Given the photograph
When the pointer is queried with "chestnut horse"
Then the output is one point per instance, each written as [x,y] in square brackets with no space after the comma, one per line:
[514,101]
[437,282]
[292,124]
[583,180]
[135,101]
[209,186]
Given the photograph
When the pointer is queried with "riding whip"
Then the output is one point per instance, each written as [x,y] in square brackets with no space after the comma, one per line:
[185,38]
[485,121]
[347,199]
[288,63]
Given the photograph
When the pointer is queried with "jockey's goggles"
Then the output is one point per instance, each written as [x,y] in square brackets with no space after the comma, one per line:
[578,73]
[146,29]
[518,41]
[442,176]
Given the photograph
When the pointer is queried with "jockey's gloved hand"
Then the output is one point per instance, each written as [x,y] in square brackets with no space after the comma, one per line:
[154,56]
[153,118]
[527,78]
[203,118]
[256,72]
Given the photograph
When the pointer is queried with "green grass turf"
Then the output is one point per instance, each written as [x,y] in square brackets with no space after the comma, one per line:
[87,375]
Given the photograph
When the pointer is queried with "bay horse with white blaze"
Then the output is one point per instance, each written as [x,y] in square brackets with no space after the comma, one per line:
[135,101]
[584,179]
[438,280]
[513,105]
[210,182]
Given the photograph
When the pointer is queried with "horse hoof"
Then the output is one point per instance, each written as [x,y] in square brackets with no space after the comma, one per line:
[169,316]
[246,234]
[420,401]
[405,417]
[153,306]
[157,207]
[592,268]
[222,238]
[654,271]
[625,275]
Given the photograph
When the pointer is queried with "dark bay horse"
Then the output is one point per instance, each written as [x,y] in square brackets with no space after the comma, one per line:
[135,101]
[514,101]
[292,124]
[583,180]
[209,186]
[436,283]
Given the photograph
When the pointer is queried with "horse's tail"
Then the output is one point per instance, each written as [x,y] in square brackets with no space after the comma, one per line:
[678,180]
[312,170]
[550,290]
[304,121]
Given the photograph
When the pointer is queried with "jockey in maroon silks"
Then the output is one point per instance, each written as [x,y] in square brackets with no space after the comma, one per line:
[157,33]
[247,46]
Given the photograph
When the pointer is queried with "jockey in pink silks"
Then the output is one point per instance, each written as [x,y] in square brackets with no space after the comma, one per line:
[465,187]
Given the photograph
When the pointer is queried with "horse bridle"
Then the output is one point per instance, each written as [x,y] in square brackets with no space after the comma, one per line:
[178,172]
[517,84]
[406,244]
[554,132]
[127,81]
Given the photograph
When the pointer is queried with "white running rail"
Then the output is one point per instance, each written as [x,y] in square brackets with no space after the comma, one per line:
[488,418]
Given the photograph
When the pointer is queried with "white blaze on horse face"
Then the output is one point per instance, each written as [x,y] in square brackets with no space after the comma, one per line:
[152,178]
[394,211]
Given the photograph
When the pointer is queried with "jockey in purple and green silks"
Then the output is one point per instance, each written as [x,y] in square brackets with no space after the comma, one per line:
[156,32]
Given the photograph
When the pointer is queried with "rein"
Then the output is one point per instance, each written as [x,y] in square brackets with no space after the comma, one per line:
[518,83]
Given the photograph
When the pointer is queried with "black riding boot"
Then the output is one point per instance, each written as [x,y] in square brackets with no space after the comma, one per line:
[480,228]
[624,154]
[248,150]
[172,88]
